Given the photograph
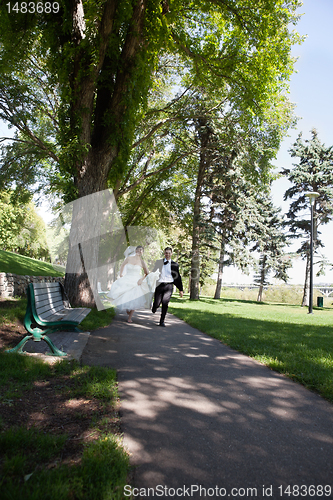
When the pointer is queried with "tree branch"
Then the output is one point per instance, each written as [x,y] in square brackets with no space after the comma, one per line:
[153,130]
[144,177]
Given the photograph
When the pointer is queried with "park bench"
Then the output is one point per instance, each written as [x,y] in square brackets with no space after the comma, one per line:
[48,311]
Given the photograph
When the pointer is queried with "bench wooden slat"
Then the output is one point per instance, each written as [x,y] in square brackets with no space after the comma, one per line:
[46,308]
[48,300]
[77,314]
[40,309]
[46,289]
[43,286]
[45,316]
[50,295]
[49,305]
[56,316]
[53,315]
[47,293]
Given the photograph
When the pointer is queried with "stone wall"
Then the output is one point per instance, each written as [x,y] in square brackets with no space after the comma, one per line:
[14,285]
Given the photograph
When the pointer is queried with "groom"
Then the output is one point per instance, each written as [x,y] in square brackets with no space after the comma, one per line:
[169,276]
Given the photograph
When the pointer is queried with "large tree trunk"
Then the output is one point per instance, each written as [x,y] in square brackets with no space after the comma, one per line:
[97,113]
[204,136]
[95,219]
[195,260]
[77,285]
[220,271]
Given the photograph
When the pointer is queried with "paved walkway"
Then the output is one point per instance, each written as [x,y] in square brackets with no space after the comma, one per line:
[203,421]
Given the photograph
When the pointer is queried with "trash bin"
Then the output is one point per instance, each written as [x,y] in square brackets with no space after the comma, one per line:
[320,301]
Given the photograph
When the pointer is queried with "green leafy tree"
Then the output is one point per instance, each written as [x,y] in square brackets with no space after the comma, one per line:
[94,64]
[75,83]
[22,230]
[313,172]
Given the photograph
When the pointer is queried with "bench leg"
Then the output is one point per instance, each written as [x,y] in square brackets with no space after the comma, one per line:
[54,349]
[20,345]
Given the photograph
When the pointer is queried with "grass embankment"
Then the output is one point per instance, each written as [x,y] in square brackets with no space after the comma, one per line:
[284,337]
[25,266]
[58,436]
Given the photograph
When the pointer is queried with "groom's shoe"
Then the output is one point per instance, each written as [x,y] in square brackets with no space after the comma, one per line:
[153,310]
[161,324]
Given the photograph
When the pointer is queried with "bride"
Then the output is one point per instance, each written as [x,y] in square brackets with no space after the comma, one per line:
[133,290]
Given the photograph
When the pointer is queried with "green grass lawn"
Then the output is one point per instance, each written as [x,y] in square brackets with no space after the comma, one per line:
[284,337]
[38,463]
[32,463]
[25,266]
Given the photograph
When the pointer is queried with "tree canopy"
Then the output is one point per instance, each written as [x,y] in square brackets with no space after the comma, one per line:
[22,230]
[75,84]
[85,88]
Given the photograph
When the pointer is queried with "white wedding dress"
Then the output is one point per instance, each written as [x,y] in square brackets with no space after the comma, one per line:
[126,294]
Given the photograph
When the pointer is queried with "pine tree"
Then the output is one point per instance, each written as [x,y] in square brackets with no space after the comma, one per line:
[229,200]
[271,244]
[314,172]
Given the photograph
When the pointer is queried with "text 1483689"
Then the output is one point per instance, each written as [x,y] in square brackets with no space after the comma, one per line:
[33,7]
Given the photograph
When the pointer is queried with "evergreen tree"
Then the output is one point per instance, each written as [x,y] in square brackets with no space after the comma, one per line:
[313,172]
[235,153]
[246,221]
[271,244]
[230,199]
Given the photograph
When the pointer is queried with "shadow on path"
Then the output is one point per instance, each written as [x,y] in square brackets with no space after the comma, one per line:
[195,412]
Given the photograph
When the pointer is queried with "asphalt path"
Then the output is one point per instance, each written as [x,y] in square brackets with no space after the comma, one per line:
[201,420]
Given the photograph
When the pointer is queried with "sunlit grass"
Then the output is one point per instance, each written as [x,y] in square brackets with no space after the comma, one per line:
[11,310]
[284,337]
[11,262]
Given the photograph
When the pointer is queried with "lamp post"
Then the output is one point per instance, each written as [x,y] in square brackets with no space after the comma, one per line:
[312,195]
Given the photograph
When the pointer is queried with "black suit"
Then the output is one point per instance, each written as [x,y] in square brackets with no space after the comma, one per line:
[164,291]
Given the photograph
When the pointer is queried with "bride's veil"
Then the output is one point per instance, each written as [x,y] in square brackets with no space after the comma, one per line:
[129,252]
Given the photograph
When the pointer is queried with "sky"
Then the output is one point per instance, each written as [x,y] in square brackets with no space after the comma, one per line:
[311,91]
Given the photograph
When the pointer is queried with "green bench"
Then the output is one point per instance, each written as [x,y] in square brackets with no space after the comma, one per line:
[48,311]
